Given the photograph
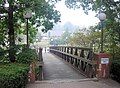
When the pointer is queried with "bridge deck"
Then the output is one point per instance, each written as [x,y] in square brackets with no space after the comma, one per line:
[55,68]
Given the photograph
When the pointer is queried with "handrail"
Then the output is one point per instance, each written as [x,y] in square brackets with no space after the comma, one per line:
[79,57]
[85,48]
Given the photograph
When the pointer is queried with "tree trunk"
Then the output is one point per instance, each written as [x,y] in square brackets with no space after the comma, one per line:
[11,35]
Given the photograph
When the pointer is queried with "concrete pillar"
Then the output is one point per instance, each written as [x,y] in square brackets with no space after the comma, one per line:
[103,65]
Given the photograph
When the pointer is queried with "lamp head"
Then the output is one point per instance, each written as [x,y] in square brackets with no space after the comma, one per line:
[28,14]
[102,16]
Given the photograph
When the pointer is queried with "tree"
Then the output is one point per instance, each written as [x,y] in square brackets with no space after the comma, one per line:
[112,10]
[44,11]
[79,38]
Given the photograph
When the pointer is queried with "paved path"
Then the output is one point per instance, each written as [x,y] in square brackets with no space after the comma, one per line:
[55,68]
[76,84]
[59,75]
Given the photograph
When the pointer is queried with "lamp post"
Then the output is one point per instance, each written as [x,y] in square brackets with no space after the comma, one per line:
[27,16]
[102,17]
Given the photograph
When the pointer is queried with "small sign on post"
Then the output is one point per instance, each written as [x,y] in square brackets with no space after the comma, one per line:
[104,60]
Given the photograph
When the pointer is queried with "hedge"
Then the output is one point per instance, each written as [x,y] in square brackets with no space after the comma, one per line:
[13,75]
[115,70]
[27,56]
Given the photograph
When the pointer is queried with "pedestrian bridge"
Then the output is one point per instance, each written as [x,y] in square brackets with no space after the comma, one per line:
[81,59]
[71,67]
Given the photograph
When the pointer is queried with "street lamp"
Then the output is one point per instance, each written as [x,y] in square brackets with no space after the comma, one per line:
[27,16]
[102,17]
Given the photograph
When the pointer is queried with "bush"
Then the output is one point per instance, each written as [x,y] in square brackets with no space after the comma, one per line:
[27,56]
[115,70]
[4,59]
[38,71]
[4,56]
[13,75]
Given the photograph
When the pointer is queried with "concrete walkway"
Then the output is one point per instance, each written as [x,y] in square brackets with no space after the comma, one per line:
[55,68]
[76,84]
[59,75]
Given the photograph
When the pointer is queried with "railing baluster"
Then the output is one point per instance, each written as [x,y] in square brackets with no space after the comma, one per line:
[76,53]
[82,55]
[71,52]
[90,70]
[68,55]
[62,51]
[64,54]
[78,64]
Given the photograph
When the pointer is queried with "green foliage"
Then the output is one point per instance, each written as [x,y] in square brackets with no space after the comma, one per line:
[13,75]
[38,71]
[27,56]
[4,59]
[80,39]
[84,37]
[3,56]
[44,15]
[32,35]
[114,50]
[112,30]
[115,70]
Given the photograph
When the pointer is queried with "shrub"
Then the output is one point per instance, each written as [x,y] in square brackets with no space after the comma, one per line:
[13,75]
[4,59]
[38,71]
[27,56]
[4,56]
[115,70]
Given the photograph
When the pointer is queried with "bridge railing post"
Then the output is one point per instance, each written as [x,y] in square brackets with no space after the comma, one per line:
[82,63]
[62,51]
[41,64]
[68,55]
[71,52]
[40,55]
[75,59]
[64,56]
[59,50]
